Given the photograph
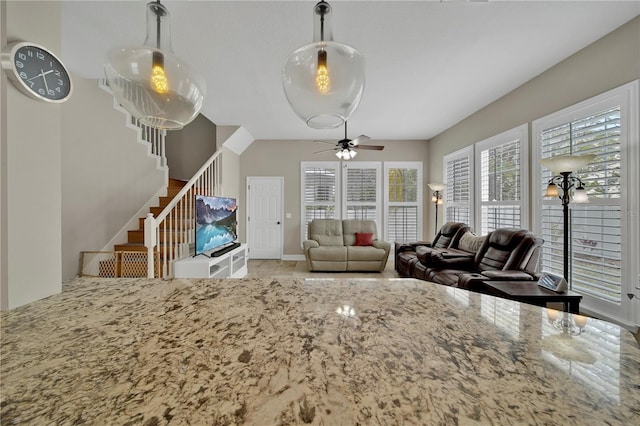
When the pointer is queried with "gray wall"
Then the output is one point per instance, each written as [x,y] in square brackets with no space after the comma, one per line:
[189,148]
[283,157]
[30,169]
[231,185]
[107,175]
[608,63]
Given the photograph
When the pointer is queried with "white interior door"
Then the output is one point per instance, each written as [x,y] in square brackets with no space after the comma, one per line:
[265,219]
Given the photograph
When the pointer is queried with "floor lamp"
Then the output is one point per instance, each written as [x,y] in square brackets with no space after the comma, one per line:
[436,197]
[562,167]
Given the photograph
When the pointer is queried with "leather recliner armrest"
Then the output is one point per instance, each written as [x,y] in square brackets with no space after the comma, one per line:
[447,258]
[410,246]
[508,275]
[473,281]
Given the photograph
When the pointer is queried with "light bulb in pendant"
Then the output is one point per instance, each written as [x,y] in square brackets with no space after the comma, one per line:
[323,82]
[155,86]
[159,82]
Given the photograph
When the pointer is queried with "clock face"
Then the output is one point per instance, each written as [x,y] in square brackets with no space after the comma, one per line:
[41,74]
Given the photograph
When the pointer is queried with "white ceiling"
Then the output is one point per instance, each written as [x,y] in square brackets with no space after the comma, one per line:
[429,64]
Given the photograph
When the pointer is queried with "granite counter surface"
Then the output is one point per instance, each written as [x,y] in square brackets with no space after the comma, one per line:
[314,351]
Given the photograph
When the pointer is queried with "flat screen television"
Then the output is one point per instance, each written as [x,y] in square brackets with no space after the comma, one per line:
[216,223]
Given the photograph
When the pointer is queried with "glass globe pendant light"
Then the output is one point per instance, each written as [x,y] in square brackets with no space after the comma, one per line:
[324,81]
[150,82]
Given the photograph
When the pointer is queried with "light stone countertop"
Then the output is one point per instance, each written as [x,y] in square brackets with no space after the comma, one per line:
[295,351]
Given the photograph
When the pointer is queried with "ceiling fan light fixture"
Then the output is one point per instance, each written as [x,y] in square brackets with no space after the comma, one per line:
[150,82]
[346,154]
[324,81]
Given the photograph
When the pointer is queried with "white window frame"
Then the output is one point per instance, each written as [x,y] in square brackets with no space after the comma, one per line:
[335,165]
[345,182]
[447,202]
[419,201]
[520,134]
[628,312]
[382,202]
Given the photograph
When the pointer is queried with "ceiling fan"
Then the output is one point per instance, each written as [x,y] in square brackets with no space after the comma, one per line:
[345,147]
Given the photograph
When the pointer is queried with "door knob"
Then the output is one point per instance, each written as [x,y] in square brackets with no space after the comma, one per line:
[278,223]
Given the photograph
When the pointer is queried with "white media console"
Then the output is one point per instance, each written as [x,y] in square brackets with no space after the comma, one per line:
[228,265]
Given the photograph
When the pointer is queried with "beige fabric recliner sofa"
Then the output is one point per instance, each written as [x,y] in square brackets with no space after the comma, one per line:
[332,246]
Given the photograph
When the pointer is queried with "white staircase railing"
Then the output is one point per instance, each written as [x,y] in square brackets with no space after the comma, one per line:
[155,137]
[170,234]
[146,134]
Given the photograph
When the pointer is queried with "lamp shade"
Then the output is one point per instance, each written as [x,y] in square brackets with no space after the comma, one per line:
[437,186]
[580,195]
[567,163]
[324,81]
[552,190]
[150,82]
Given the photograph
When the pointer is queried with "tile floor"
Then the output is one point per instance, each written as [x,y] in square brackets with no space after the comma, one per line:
[258,268]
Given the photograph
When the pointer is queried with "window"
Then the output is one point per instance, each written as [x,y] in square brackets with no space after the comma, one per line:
[458,198]
[501,181]
[320,192]
[403,201]
[603,244]
[355,193]
[361,189]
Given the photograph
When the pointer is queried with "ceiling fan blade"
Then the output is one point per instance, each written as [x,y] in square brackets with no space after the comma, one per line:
[325,150]
[371,147]
[357,141]
[325,142]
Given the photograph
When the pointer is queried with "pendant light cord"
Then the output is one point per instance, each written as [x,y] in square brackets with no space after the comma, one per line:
[158,25]
[322,9]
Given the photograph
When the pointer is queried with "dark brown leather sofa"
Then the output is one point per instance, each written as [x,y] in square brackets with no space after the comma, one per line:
[405,253]
[505,254]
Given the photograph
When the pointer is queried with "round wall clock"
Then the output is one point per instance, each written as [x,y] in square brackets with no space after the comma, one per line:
[36,72]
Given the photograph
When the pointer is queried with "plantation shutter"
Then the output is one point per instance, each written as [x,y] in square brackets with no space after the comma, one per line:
[358,190]
[458,199]
[595,243]
[501,181]
[362,191]
[321,195]
[403,201]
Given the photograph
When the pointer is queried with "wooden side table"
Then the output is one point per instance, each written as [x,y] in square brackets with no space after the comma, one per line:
[530,292]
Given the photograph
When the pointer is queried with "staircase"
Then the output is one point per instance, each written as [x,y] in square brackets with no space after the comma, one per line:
[168,238]
[167,232]
[135,241]
[130,259]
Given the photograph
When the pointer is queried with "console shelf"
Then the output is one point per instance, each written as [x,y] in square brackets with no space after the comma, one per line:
[232,264]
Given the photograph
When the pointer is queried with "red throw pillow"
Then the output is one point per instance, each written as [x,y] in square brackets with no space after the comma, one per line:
[364,238]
